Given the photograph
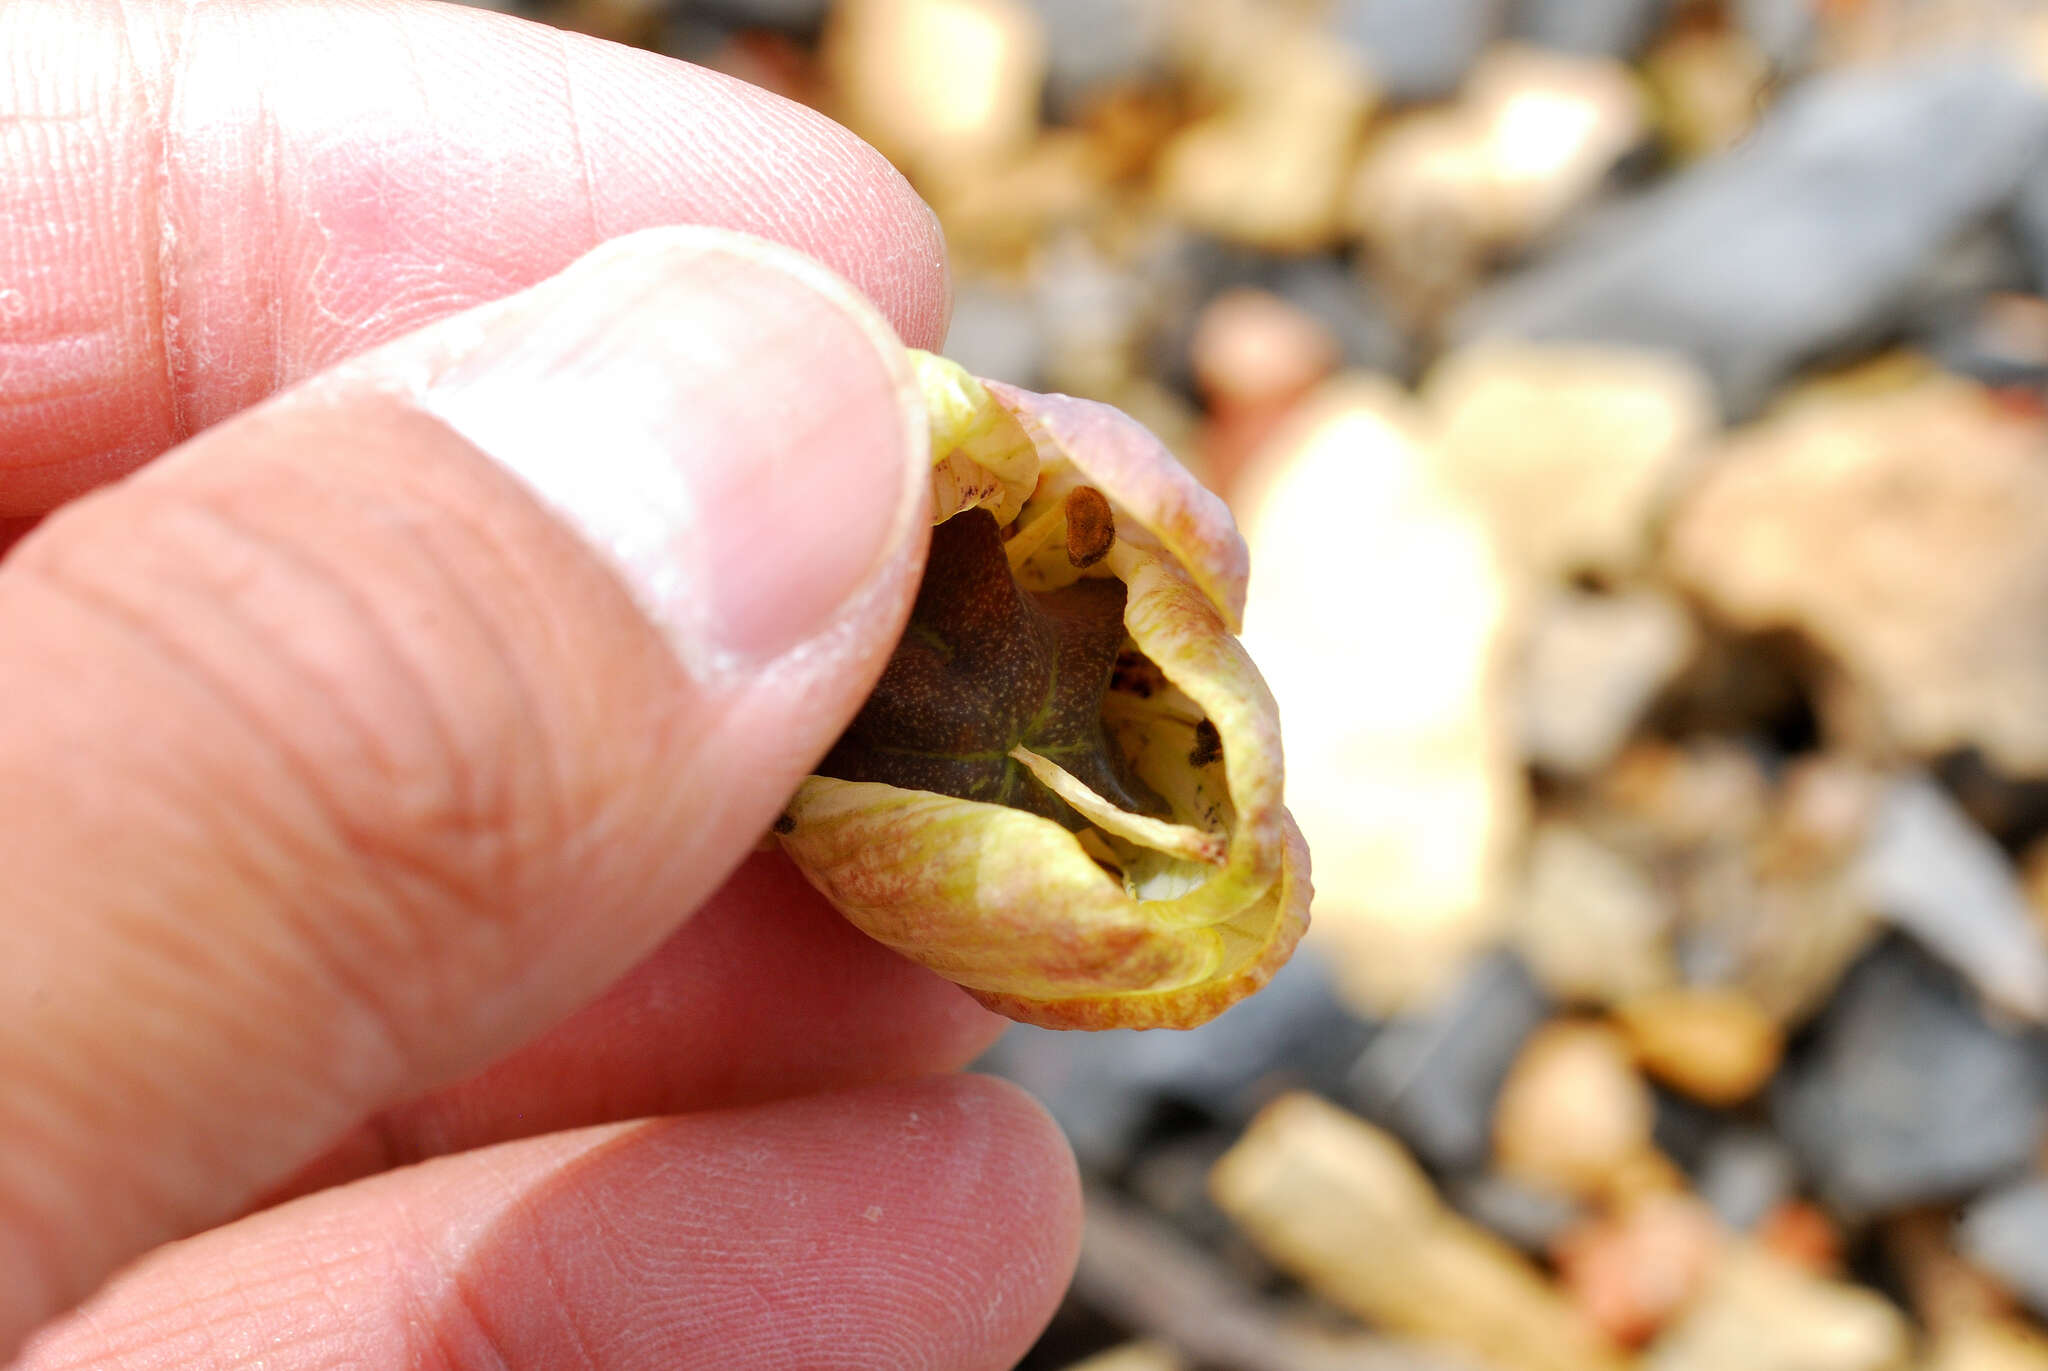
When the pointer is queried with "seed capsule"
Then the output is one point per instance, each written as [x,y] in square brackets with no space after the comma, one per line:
[1091,526]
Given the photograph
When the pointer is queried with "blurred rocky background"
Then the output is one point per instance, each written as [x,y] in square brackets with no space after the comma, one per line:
[1636,410]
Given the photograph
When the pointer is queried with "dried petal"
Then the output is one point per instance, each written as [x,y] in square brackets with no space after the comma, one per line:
[976,460]
[1076,818]
[1103,447]
[1178,839]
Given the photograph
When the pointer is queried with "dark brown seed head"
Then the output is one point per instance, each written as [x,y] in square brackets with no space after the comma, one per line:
[985,666]
[1091,527]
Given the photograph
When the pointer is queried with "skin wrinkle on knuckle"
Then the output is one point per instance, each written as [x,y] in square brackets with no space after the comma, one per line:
[419,853]
[454,1332]
[578,133]
[478,1326]
[34,1251]
[419,812]
[165,174]
[333,967]
[52,169]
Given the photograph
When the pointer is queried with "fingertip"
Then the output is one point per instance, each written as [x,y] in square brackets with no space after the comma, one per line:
[910,1227]
[930,1223]
[802,999]
[763,439]
[765,994]
[1039,1169]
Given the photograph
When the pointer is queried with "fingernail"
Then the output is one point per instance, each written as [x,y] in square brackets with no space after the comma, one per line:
[727,422]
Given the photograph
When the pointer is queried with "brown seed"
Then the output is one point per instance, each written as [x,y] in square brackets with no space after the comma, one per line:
[1091,527]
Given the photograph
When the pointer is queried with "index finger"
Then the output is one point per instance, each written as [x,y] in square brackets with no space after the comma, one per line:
[200,204]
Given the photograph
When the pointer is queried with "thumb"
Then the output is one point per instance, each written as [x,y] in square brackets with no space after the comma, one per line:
[356,739]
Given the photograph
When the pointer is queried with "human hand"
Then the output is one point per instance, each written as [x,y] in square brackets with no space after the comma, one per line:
[363,737]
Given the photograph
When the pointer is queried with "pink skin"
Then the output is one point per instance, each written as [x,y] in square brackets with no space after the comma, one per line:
[200,204]
[269,188]
[905,1226]
[765,994]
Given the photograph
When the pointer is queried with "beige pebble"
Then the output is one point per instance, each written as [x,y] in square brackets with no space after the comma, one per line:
[1711,85]
[1668,796]
[1716,1045]
[1340,1205]
[1441,191]
[1990,1345]
[1905,531]
[1411,795]
[1590,666]
[1647,1174]
[1572,1109]
[1592,923]
[1760,1314]
[1572,450]
[1253,349]
[1133,1356]
[1267,168]
[937,85]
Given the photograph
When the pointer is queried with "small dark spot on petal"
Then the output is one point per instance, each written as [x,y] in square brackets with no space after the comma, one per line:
[784,824]
[1135,674]
[1208,744]
[1091,527]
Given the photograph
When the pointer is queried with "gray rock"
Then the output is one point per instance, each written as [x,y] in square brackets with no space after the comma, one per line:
[1599,28]
[1529,1218]
[1784,29]
[1906,1094]
[789,16]
[1172,1179]
[1959,307]
[1999,339]
[1349,306]
[1091,44]
[2030,223]
[1085,1084]
[1418,49]
[995,334]
[1592,665]
[1801,242]
[1685,1128]
[1186,272]
[1434,1079]
[2006,1233]
[1745,1174]
[1103,1088]
[1091,316]
[1934,874]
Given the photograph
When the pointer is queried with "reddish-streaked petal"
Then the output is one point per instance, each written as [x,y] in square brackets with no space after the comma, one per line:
[996,899]
[1257,943]
[980,456]
[1119,456]
[1179,629]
